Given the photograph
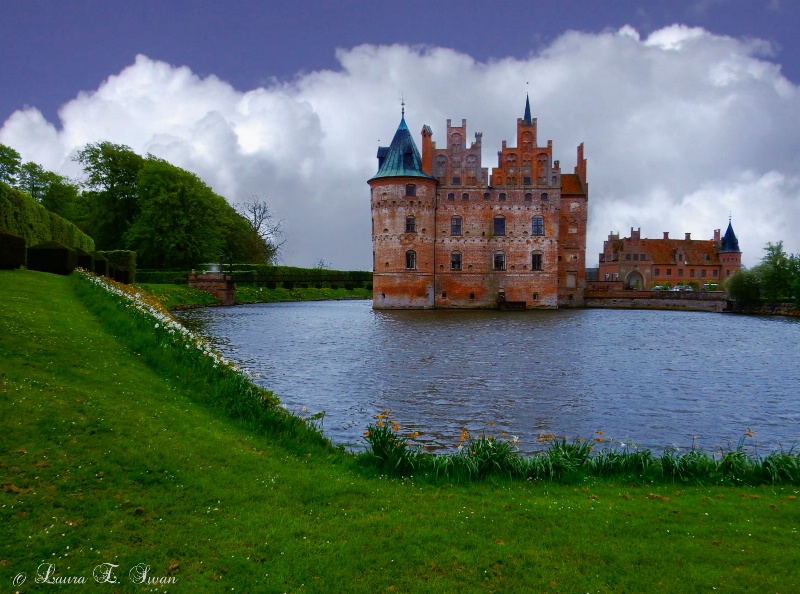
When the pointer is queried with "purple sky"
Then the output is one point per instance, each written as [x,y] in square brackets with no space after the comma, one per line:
[52,49]
[689,110]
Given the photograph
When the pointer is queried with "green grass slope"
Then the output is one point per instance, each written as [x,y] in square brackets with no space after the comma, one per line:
[109,461]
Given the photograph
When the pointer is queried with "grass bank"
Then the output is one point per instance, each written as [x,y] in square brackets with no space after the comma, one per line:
[182,296]
[114,453]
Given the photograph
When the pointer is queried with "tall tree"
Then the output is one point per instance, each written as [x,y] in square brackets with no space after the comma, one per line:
[9,165]
[112,172]
[258,213]
[179,223]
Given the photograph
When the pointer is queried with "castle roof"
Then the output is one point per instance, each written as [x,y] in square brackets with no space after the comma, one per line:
[401,158]
[571,184]
[693,252]
[729,242]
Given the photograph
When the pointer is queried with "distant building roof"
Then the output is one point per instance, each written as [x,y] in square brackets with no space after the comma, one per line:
[693,252]
[401,158]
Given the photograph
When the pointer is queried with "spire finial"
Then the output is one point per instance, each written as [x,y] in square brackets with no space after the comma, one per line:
[402,106]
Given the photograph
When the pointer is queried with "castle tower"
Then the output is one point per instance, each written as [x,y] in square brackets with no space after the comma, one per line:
[730,256]
[403,201]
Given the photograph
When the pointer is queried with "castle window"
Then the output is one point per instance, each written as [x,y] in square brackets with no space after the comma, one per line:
[465,196]
[455,261]
[408,160]
[715,274]
[472,296]
[691,272]
[411,225]
[536,261]
[487,196]
[544,195]
[526,181]
[456,181]
[499,225]
[502,197]
[537,227]
[500,261]
[411,190]
[455,226]
[680,271]
[627,256]
[411,260]
[641,257]
[703,273]
[536,296]
[656,271]
[636,257]
[528,197]
[669,271]
[444,294]
[451,196]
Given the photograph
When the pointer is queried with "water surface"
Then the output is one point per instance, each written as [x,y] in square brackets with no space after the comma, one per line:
[649,378]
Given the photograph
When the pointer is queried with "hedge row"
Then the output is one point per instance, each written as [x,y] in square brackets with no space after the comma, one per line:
[21,215]
[243,272]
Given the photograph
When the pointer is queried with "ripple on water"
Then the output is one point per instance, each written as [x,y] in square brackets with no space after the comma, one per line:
[647,377]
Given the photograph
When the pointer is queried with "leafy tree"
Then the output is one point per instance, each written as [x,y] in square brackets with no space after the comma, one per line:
[56,193]
[744,287]
[256,210]
[112,172]
[776,272]
[9,165]
[179,220]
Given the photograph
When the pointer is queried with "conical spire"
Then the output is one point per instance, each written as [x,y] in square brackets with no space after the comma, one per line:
[729,242]
[527,118]
[401,158]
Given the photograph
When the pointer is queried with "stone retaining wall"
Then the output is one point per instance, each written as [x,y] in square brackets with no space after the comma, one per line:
[219,285]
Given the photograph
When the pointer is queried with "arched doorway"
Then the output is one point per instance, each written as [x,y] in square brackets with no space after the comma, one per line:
[634,280]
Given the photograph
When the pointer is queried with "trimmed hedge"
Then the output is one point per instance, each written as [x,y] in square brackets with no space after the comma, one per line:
[100,264]
[52,256]
[85,261]
[312,276]
[22,215]
[122,265]
[12,251]
[162,277]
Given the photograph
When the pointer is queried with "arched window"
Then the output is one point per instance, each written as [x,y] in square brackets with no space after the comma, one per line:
[544,195]
[411,190]
[465,196]
[411,260]
[528,196]
[499,225]
[502,197]
[451,196]
[499,261]
[455,260]
[487,196]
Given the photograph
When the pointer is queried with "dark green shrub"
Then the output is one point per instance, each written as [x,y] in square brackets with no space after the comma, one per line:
[85,260]
[317,285]
[334,286]
[288,285]
[100,264]
[302,285]
[124,264]
[12,251]
[349,286]
[52,256]
[368,286]
[271,284]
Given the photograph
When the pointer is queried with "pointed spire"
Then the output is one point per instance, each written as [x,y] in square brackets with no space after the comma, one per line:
[401,158]
[527,118]
[730,243]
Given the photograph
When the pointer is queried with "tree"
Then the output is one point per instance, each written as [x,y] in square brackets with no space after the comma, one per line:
[256,210]
[178,224]
[776,272]
[9,165]
[112,172]
[744,287]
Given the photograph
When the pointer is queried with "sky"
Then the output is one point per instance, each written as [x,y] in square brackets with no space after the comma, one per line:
[689,110]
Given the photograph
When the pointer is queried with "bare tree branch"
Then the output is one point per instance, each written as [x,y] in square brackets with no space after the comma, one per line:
[256,210]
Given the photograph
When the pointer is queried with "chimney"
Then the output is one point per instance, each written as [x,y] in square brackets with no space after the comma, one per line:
[666,234]
[636,234]
[688,236]
[716,234]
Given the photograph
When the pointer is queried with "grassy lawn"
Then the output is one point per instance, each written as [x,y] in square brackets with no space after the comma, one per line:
[107,458]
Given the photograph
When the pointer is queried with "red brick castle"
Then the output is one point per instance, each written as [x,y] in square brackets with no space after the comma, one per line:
[446,234]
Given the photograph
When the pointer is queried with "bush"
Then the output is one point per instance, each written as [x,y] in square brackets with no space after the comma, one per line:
[288,285]
[349,286]
[85,260]
[12,251]
[271,284]
[334,286]
[52,256]
[100,264]
[368,286]
[123,265]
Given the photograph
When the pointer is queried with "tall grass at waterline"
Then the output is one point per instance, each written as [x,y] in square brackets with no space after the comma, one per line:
[572,460]
[103,459]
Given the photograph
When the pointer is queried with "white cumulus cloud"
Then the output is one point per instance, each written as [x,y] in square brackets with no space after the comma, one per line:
[681,129]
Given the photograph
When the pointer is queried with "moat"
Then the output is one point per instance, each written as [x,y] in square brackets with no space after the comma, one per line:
[652,378]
